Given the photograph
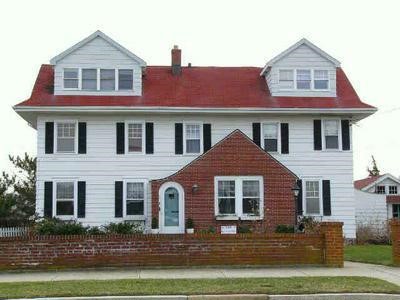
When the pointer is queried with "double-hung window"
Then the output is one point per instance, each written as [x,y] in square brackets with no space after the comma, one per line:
[65,198]
[107,79]
[312,197]
[125,79]
[239,196]
[71,78]
[192,138]
[66,137]
[271,136]
[286,79]
[135,139]
[396,211]
[134,199]
[331,134]
[303,79]
[380,189]
[393,189]
[89,79]
[321,80]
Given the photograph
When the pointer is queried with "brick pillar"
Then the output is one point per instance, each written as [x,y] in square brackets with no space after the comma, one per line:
[395,237]
[334,243]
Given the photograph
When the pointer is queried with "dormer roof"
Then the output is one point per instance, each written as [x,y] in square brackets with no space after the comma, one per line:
[303,41]
[367,183]
[91,37]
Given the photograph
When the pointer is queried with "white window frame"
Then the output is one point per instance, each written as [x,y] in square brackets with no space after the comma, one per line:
[393,186]
[79,79]
[99,79]
[238,198]
[340,147]
[312,85]
[75,182]
[200,124]
[321,208]
[278,123]
[117,79]
[56,122]
[145,187]
[127,136]
[385,189]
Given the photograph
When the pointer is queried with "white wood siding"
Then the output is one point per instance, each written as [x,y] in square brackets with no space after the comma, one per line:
[371,209]
[302,57]
[98,53]
[101,166]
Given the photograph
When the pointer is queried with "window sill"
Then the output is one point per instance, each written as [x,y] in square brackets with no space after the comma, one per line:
[134,218]
[227,218]
[245,218]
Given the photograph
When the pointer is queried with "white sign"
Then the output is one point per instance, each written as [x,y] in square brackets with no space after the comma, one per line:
[228,229]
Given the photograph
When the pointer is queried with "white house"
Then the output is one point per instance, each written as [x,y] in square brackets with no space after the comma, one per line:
[109,126]
[377,199]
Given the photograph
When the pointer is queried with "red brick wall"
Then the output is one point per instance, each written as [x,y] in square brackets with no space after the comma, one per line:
[395,236]
[236,155]
[173,250]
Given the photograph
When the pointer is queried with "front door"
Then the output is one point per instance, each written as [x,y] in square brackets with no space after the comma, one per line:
[171,211]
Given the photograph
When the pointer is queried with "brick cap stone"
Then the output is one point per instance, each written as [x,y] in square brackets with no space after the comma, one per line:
[332,223]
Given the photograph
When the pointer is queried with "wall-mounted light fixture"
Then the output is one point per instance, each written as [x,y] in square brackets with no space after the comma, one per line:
[195,187]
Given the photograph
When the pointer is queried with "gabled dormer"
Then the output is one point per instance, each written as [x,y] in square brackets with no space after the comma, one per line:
[303,70]
[98,65]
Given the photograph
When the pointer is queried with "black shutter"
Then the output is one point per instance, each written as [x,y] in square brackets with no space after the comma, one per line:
[299,203]
[317,135]
[178,138]
[284,138]
[81,199]
[120,138]
[345,135]
[118,198]
[49,139]
[82,137]
[257,134]
[206,137]
[48,199]
[326,197]
[149,138]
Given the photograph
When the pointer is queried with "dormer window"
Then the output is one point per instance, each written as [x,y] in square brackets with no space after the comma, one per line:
[89,79]
[286,81]
[107,79]
[321,80]
[125,79]
[71,78]
[303,79]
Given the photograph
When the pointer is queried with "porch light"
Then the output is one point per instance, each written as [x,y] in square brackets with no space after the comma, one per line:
[195,187]
[296,190]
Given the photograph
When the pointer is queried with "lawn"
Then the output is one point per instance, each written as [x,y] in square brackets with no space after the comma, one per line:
[293,285]
[373,254]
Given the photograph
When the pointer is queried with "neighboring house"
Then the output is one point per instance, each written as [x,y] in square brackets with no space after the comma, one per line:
[377,199]
[122,141]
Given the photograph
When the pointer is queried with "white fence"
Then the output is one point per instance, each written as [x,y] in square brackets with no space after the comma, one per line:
[13,231]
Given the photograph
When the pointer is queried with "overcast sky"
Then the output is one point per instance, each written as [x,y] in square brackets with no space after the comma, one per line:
[362,35]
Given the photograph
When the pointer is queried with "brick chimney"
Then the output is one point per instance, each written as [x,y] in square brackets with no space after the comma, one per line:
[176,61]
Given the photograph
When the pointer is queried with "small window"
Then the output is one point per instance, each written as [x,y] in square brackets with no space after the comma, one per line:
[193,138]
[65,198]
[89,79]
[331,133]
[303,79]
[66,133]
[135,137]
[71,78]
[226,197]
[380,189]
[251,197]
[321,80]
[392,189]
[286,80]
[396,211]
[271,137]
[125,79]
[312,197]
[107,79]
[134,198]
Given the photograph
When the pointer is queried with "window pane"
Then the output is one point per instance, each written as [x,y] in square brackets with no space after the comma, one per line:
[192,146]
[392,189]
[271,145]
[331,142]
[89,79]
[65,190]
[286,80]
[125,79]
[321,84]
[251,197]
[71,83]
[65,137]
[251,206]
[396,211]
[135,190]
[71,73]
[226,188]
[193,138]
[226,205]
[380,189]
[321,79]
[312,197]
[303,79]
[71,78]
[270,131]
[134,208]
[107,79]
[135,137]
[65,208]
[331,131]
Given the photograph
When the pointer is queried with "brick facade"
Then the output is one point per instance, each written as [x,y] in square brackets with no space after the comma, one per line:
[236,155]
[325,248]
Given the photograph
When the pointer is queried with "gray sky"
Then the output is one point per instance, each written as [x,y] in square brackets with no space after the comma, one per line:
[363,35]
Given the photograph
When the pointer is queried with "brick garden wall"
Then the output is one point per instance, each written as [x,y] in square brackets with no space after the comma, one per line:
[395,237]
[174,250]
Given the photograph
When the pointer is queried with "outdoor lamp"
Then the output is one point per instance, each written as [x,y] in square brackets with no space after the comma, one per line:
[296,189]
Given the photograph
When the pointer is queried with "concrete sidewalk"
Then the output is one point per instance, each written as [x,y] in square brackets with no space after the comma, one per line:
[390,274]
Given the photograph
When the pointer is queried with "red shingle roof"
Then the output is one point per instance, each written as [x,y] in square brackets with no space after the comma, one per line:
[201,87]
[362,183]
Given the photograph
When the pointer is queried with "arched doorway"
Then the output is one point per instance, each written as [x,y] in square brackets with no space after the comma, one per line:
[172,214]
